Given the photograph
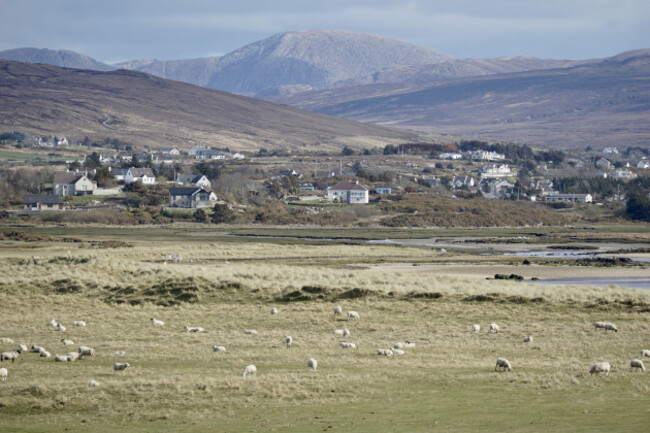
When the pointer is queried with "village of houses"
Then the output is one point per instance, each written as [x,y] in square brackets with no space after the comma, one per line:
[479,172]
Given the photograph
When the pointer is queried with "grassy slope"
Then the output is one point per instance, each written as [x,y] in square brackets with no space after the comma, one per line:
[176,383]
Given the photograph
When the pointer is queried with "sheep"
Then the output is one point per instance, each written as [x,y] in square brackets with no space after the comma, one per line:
[398,351]
[250,332]
[637,364]
[93,383]
[157,322]
[37,349]
[606,326]
[338,311]
[3,374]
[403,345]
[476,328]
[120,366]
[384,352]
[73,356]
[218,349]
[342,332]
[274,311]
[9,356]
[60,327]
[21,348]
[645,352]
[353,315]
[503,363]
[250,370]
[52,323]
[494,327]
[45,354]
[194,329]
[289,340]
[62,358]
[78,323]
[600,367]
[119,353]
[6,340]
[347,345]
[312,363]
[67,342]
[86,351]
[528,339]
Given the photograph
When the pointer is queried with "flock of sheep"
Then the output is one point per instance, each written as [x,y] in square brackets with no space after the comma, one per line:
[312,363]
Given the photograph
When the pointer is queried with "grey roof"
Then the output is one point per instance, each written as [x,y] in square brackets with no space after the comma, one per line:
[139,172]
[188,178]
[42,198]
[67,177]
[346,186]
[119,171]
[186,190]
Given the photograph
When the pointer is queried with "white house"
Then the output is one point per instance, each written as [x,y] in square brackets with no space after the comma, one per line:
[119,173]
[191,197]
[459,182]
[199,180]
[483,155]
[143,175]
[644,164]
[71,183]
[348,192]
[580,198]
[169,151]
[448,155]
[495,170]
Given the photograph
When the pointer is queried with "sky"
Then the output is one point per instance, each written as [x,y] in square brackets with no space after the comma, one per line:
[118,30]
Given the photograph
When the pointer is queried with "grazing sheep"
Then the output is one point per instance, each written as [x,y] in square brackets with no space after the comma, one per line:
[86,351]
[62,358]
[398,351]
[3,374]
[67,342]
[60,327]
[45,354]
[645,352]
[194,329]
[73,356]
[8,356]
[250,332]
[218,349]
[342,332]
[21,348]
[119,353]
[274,311]
[52,323]
[347,345]
[6,340]
[312,363]
[494,327]
[606,326]
[403,345]
[637,364]
[250,370]
[120,366]
[37,349]
[338,311]
[93,383]
[476,328]
[78,323]
[528,339]
[503,363]
[353,315]
[600,367]
[289,340]
[157,322]
[384,352]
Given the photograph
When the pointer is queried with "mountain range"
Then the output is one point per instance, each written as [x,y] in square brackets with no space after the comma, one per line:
[547,102]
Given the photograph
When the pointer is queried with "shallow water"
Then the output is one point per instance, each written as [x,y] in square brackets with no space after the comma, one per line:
[632,282]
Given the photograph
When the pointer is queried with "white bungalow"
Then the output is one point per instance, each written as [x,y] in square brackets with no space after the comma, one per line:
[144,175]
[348,192]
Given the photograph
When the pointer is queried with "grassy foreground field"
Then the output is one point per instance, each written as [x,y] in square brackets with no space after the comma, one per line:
[176,383]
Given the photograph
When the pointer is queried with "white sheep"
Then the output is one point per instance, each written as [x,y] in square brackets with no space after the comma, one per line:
[78,323]
[289,340]
[503,363]
[3,374]
[93,383]
[274,311]
[8,356]
[312,363]
[600,367]
[45,354]
[37,349]
[342,332]
[157,322]
[645,352]
[353,315]
[86,351]
[528,339]
[62,358]
[476,328]
[60,327]
[119,353]
[6,340]
[607,326]
[194,329]
[218,349]
[250,370]
[52,323]
[338,311]
[494,327]
[120,366]
[73,356]
[384,352]
[398,351]
[637,364]
[347,345]
[67,342]
[403,345]
[21,348]
[250,332]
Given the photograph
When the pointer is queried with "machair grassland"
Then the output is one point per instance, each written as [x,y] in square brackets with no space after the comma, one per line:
[176,382]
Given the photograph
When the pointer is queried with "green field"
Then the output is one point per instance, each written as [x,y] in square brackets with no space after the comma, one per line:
[190,277]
